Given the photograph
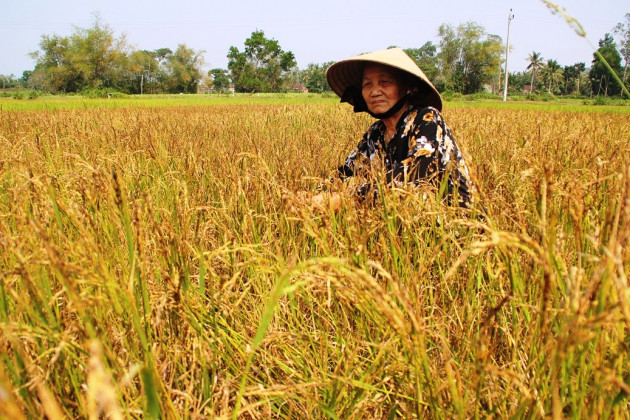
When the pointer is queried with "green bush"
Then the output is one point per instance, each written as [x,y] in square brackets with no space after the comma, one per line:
[449,95]
[575,96]
[18,95]
[606,100]
[117,95]
[517,97]
[545,97]
[548,97]
[32,94]
[96,93]
[601,100]
[621,102]
[482,96]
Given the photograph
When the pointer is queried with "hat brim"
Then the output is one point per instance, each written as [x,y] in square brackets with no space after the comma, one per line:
[349,73]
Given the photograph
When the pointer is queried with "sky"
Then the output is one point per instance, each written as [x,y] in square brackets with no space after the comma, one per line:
[316,31]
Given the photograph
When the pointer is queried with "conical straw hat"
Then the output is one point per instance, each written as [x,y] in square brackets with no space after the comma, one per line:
[349,73]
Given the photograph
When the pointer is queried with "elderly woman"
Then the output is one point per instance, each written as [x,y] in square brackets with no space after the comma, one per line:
[410,141]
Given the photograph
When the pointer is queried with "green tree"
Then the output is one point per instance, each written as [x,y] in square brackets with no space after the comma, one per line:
[26,75]
[54,70]
[469,58]
[8,82]
[38,80]
[220,80]
[426,58]
[261,66]
[573,77]
[517,81]
[552,74]
[535,63]
[314,77]
[98,56]
[162,72]
[161,54]
[144,71]
[623,30]
[183,70]
[89,58]
[602,82]
[450,46]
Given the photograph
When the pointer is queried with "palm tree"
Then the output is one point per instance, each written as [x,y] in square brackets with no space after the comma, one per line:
[552,72]
[535,62]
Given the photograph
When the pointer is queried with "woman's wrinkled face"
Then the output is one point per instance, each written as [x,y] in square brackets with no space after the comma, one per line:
[381,89]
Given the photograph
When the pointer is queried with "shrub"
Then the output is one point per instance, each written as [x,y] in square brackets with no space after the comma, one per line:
[482,96]
[449,95]
[601,100]
[517,96]
[102,93]
[94,93]
[575,96]
[116,95]
[545,97]
[548,97]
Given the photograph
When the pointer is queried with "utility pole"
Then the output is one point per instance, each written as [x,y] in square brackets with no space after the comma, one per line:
[507,47]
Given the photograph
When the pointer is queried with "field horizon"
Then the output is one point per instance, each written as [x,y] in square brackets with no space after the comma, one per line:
[71,101]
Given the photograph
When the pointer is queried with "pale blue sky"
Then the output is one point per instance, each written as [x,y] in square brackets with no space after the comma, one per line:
[316,31]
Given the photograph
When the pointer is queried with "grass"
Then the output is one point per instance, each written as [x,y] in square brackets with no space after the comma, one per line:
[566,105]
[155,262]
[52,102]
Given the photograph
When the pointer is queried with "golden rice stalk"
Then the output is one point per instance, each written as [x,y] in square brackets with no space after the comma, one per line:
[8,407]
[49,403]
[101,394]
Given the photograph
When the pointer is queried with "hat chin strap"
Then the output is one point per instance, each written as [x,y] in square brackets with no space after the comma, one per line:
[392,111]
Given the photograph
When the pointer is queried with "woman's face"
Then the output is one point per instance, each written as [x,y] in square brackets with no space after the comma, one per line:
[381,88]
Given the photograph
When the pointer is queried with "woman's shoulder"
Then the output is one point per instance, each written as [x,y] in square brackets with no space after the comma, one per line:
[375,129]
[421,113]
[423,110]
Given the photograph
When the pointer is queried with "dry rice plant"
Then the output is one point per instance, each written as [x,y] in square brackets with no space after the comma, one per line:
[157,263]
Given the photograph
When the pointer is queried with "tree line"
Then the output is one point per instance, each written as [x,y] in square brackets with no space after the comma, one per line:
[94,59]
[466,60]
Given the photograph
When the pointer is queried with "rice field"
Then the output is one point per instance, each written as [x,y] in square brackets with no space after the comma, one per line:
[159,262]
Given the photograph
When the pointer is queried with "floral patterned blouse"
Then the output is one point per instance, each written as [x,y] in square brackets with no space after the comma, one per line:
[422,150]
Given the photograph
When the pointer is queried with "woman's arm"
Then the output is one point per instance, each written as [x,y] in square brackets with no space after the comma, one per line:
[433,153]
[359,159]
